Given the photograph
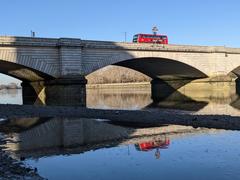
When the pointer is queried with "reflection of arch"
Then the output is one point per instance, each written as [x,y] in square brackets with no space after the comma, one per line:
[179,102]
[154,67]
[22,72]
[21,124]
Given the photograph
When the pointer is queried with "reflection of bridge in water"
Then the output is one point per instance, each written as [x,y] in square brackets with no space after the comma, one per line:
[35,137]
[214,98]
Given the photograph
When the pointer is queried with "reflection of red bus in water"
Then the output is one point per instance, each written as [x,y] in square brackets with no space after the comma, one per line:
[147,146]
[150,145]
[150,38]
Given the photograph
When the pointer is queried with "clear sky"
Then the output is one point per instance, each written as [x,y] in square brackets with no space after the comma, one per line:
[197,22]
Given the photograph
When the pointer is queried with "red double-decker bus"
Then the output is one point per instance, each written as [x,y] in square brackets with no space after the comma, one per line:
[150,38]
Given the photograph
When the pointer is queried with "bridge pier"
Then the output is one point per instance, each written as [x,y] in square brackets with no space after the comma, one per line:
[63,91]
[160,89]
[185,90]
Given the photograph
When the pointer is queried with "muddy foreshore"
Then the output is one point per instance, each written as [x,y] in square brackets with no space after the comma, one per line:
[130,117]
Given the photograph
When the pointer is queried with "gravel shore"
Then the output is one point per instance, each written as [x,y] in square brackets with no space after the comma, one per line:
[13,169]
[131,117]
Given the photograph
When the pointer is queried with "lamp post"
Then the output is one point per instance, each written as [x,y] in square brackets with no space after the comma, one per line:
[155,30]
[32,34]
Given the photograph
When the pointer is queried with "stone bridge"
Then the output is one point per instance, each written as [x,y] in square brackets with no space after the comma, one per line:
[65,61]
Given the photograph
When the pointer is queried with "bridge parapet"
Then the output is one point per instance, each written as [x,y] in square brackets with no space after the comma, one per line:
[75,42]
[28,41]
[58,57]
[158,47]
[39,42]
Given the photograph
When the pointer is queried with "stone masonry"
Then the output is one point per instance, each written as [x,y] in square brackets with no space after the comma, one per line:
[37,59]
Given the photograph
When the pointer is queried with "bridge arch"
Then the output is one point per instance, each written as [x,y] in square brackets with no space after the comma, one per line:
[21,72]
[162,68]
[235,71]
[28,63]
[150,64]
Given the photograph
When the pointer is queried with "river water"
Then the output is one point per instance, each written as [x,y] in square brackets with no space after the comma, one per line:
[77,148]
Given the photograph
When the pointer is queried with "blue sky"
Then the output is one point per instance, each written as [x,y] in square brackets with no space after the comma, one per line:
[197,22]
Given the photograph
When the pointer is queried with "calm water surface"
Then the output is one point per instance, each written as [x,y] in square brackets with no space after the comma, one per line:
[11,96]
[95,149]
[214,156]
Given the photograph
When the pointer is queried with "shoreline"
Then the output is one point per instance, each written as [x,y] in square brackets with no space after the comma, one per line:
[119,85]
[146,118]
[13,169]
[10,88]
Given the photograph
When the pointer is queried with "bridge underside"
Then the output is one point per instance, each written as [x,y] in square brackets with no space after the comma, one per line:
[40,88]
[168,76]
[22,73]
[164,69]
[236,72]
